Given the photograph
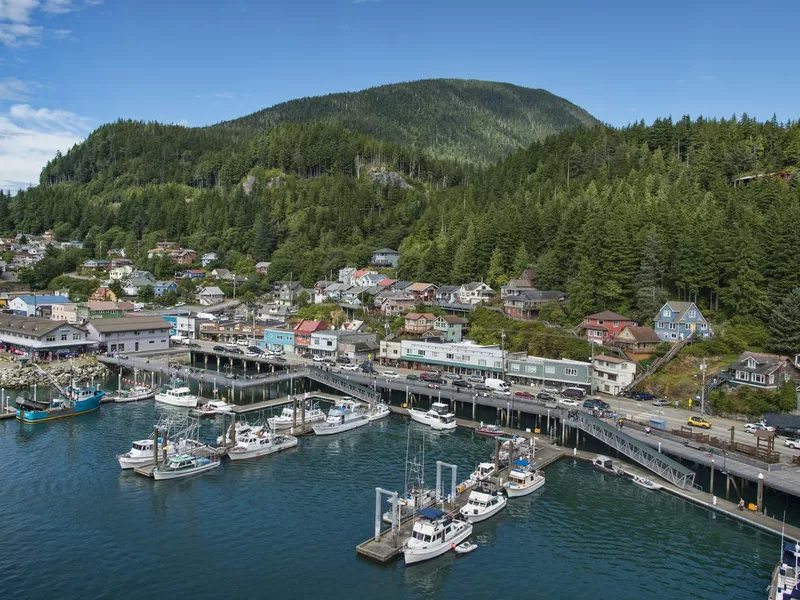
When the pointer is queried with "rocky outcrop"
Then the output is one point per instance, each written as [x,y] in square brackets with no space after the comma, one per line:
[247,184]
[26,377]
[389,178]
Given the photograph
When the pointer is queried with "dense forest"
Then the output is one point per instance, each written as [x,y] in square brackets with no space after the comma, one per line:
[465,120]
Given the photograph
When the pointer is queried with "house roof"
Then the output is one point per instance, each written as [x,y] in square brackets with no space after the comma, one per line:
[643,334]
[35,326]
[765,363]
[361,272]
[448,289]
[309,326]
[401,285]
[129,324]
[386,282]
[420,287]
[474,285]
[373,278]
[30,299]
[453,320]
[212,291]
[611,359]
[137,282]
[163,283]
[680,308]
[263,265]
[537,295]
[386,251]
[102,305]
[607,315]
[196,271]
[417,316]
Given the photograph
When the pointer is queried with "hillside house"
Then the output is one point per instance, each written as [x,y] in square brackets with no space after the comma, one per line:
[193,274]
[637,343]
[422,292]
[286,292]
[602,327]
[220,273]
[524,283]
[450,328]
[475,292]
[346,274]
[612,374]
[209,296]
[262,268]
[419,322]
[120,273]
[385,257]
[164,287]
[207,259]
[526,305]
[103,294]
[763,371]
[680,320]
[447,294]
[319,296]
[96,264]
[393,303]
[183,256]
[133,285]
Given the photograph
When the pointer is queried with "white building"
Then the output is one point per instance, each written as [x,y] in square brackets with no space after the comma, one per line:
[475,293]
[208,258]
[210,296]
[42,338]
[31,305]
[466,357]
[611,374]
[130,334]
[65,312]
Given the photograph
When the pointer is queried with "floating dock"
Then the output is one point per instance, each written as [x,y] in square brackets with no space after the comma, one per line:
[204,451]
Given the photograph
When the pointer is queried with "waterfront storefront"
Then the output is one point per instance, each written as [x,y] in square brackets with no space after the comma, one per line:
[532,370]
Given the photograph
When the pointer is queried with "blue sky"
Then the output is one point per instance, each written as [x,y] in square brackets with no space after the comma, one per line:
[67,66]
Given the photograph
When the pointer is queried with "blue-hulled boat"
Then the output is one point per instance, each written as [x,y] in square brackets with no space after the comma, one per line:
[72,402]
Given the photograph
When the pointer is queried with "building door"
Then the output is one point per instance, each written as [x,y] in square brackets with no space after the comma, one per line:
[137,347]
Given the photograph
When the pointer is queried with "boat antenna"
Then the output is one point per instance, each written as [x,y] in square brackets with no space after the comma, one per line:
[405,473]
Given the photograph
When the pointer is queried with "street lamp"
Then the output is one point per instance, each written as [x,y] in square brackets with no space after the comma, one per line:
[703,389]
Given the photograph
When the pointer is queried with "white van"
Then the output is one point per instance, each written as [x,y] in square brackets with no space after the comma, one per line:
[497,385]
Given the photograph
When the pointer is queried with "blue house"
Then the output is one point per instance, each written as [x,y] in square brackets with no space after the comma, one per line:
[163,287]
[677,321]
[279,339]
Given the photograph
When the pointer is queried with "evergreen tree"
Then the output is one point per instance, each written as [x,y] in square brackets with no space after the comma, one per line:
[496,274]
[745,294]
[581,290]
[784,324]
[464,262]
[522,260]
[649,293]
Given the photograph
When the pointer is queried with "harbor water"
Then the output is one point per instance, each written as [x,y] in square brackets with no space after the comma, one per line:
[75,526]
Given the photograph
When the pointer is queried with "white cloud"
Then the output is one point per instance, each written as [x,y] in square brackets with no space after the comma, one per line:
[17,11]
[13,89]
[15,35]
[58,7]
[29,137]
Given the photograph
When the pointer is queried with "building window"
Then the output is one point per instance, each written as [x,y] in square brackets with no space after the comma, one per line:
[757,378]
[703,326]
[772,378]
[616,323]
[450,357]
[673,325]
[481,362]
[497,364]
[530,368]
[330,343]
[76,336]
[152,341]
[667,314]
[692,314]
[570,372]
[51,338]
[742,375]
[549,370]
[63,337]
[674,336]
[514,366]
[661,325]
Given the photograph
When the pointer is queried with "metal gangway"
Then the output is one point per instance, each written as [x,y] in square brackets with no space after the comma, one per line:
[645,455]
[337,382]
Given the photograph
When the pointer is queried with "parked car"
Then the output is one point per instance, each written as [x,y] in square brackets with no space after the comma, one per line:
[367,368]
[451,376]
[545,396]
[479,387]
[429,375]
[220,349]
[601,404]
[661,402]
[574,392]
[412,377]
[753,427]
[699,422]
[789,432]
[390,374]
[643,396]
[549,390]
[568,402]
[307,355]
[319,358]
[243,342]
[590,404]
[475,379]
[254,349]
[279,359]
[526,395]
[343,360]
[793,444]
[193,345]
[460,383]
[350,368]
[235,351]
[434,386]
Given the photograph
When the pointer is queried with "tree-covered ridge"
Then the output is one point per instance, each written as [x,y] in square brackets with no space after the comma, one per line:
[623,219]
[132,153]
[466,120]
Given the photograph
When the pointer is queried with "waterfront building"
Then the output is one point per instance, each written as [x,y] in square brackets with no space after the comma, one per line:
[466,357]
[549,371]
[278,339]
[41,338]
[612,374]
[130,334]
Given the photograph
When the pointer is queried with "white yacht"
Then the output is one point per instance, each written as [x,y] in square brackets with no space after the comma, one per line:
[133,394]
[483,503]
[434,534]
[212,408]
[141,452]
[344,416]
[183,465]
[177,396]
[484,472]
[438,417]
[284,421]
[523,479]
[243,429]
[260,444]
[378,411]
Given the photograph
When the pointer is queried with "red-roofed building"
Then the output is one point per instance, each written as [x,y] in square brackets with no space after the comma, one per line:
[303,331]
[602,327]
[386,283]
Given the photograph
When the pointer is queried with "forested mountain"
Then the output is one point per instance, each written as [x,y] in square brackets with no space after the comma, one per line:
[623,219]
[467,120]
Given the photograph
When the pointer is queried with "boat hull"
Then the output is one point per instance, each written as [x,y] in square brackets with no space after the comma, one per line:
[167,475]
[516,491]
[323,430]
[477,518]
[380,415]
[414,556]
[81,407]
[187,402]
[277,424]
[242,454]
[421,417]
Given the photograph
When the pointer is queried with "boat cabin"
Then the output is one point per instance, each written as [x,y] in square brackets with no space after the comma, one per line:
[432,526]
[604,463]
[440,408]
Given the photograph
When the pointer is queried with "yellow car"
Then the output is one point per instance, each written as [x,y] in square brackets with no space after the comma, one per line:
[699,422]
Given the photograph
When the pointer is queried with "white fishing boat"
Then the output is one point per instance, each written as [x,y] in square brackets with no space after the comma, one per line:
[212,408]
[177,396]
[344,416]
[434,534]
[465,547]
[785,584]
[136,392]
[378,411]
[184,465]
[483,502]
[287,418]
[437,417]
[605,464]
[410,502]
[242,430]
[484,472]
[141,452]
[260,444]
[646,483]
[523,479]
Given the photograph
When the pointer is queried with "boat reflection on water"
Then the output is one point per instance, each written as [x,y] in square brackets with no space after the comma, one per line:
[427,578]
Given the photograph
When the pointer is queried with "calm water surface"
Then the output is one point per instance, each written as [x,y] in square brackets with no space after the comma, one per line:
[74,526]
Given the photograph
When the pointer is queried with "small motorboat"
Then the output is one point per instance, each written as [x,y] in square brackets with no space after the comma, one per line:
[465,547]
[646,483]
[489,431]
[605,464]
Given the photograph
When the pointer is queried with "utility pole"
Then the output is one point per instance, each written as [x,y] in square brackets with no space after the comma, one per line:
[503,351]
[703,389]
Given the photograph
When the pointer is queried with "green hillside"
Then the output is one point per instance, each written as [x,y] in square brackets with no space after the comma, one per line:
[476,121]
